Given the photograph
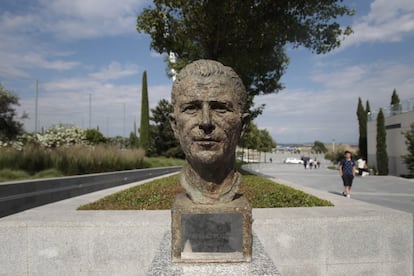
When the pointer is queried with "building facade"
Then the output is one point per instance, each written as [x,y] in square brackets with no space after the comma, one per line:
[398,120]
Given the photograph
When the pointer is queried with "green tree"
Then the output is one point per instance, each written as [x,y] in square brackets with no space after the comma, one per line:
[382,156]
[395,102]
[94,136]
[10,126]
[266,141]
[250,36]
[118,141]
[144,132]
[319,147]
[133,140]
[409,157]
[368,111]
[362,121]
[258,139]
[164,141]
[367,107]
[251,137]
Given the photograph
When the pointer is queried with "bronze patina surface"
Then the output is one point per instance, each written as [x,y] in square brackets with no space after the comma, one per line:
[211,222]
[208,119]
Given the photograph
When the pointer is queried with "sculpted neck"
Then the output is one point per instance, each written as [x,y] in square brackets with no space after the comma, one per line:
[214,173]
[208,184]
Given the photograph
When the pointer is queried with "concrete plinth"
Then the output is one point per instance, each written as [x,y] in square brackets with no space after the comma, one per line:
[260,265]
[214,233]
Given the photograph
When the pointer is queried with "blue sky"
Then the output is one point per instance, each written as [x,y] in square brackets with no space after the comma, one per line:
[79,48]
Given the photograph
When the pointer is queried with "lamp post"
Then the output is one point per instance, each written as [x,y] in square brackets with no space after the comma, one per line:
[90,110]
[123,119]
[36,105]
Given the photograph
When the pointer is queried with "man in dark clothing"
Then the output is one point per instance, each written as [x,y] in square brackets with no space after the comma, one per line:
[347,172]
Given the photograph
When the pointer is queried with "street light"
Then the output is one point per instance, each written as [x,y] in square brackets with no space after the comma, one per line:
[36,105]
[90,110]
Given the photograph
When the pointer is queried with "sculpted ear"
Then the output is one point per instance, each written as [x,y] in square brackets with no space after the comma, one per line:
[173,123]
[245,120]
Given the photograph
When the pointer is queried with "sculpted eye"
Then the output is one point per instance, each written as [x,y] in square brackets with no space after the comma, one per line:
[190,108]
[220,107]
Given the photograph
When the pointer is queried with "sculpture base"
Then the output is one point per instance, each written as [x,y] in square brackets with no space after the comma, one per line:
[211,233]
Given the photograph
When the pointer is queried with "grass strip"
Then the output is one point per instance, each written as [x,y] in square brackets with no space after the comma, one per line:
[159,194]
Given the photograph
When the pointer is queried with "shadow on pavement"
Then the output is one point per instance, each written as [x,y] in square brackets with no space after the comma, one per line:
[336,193]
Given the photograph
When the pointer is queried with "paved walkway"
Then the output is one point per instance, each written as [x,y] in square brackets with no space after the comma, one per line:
[388,191]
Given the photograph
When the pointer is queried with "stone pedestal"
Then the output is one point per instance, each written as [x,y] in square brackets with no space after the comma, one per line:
[211,233]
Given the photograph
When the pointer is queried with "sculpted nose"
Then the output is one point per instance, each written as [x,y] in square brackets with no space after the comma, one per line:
[206,125]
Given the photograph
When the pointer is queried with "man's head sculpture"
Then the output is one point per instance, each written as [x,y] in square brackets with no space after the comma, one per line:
[208,119]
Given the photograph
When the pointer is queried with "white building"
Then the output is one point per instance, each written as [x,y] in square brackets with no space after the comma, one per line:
[396,123]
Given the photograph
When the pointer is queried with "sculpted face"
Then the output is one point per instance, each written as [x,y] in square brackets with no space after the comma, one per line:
[208,120]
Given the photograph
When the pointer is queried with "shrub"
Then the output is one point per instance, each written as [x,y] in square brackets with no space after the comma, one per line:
[30,159]
[59,135]
[48,173]
[10,175]
[83,159]
[78,159]
[94,136]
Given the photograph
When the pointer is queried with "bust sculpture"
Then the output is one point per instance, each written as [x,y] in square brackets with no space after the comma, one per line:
[208,119]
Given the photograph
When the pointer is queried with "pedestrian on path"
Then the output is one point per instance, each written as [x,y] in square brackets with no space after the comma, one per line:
[362,166]
[347,172]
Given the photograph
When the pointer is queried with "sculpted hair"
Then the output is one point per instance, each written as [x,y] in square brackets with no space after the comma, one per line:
[209,69]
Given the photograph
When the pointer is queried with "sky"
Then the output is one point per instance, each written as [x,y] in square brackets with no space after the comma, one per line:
[88,60]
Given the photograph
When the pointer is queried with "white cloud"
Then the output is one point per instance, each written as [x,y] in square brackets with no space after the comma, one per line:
[338,79]
[75,19]
[15,65]
[330,113]
[23,47]
[14,22]
[115,71]
[78,19]
[387,21]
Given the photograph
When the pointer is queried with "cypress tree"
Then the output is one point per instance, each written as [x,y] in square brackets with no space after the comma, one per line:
[362,120]
[144,135]
[409,157]
[382,156]
[395,102]
[368,112]
[367,107]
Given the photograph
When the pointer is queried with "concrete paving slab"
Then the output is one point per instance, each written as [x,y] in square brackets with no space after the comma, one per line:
[356,269]
[13,253]
[56,236]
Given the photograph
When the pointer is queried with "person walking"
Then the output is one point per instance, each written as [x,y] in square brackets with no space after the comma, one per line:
[362,166]
[347,172]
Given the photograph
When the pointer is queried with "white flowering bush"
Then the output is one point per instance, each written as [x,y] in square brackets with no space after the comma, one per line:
[58,136]
[16,144]
[55,137]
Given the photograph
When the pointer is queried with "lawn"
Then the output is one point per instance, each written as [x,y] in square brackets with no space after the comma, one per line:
[159,194]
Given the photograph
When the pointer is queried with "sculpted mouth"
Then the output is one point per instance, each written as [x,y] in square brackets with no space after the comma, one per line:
[206,142]
[206,139]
